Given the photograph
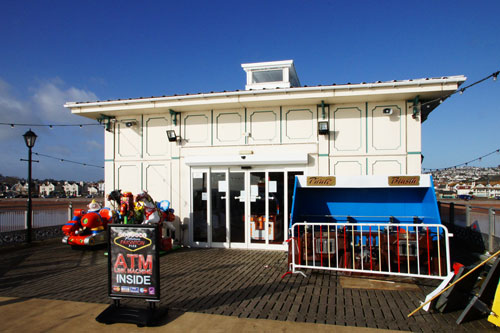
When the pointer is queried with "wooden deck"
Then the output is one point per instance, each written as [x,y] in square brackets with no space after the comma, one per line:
[239,283]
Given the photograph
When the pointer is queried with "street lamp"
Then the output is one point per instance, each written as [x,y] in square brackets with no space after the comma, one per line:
[29,139]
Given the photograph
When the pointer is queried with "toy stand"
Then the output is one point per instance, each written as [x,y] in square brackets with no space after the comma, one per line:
[116,313]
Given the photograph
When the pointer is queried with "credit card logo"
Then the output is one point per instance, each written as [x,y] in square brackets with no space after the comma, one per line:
[125,289]
[151,290]
[116,289]
[134,290]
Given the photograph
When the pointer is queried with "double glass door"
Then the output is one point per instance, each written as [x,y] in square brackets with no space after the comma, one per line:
[241,208]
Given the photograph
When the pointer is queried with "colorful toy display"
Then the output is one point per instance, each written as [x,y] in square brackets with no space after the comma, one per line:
[88,228]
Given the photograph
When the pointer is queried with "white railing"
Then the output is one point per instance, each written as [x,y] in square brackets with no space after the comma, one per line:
[14,220]
[48,218]
[399,249]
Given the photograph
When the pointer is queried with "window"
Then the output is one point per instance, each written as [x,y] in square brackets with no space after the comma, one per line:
[267,76]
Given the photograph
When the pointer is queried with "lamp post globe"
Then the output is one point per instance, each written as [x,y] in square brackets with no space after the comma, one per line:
[29,139]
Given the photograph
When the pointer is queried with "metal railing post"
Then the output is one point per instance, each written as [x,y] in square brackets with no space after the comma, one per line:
[70,211]
[491,239]
[467,215]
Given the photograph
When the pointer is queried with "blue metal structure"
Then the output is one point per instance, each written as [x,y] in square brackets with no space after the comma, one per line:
[367,199]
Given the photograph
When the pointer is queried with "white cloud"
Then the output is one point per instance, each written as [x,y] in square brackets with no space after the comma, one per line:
[44,104]
[93,145]
[49,99]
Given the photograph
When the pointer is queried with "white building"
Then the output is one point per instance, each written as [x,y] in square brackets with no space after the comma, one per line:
[72,189]
[486,191]
[230,159]
[47,188]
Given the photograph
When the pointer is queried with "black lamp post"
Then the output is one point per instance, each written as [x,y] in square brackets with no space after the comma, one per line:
[29,139]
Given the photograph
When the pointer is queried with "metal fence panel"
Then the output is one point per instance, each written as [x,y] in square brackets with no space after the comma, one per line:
[12,220]
[399,249]
[48,218]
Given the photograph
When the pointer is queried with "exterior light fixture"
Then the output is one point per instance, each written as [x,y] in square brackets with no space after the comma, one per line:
[30,138]
[323,128]
[387,111]
[172,137]
[131,123]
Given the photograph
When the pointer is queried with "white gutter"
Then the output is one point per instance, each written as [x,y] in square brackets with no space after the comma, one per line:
[420,82]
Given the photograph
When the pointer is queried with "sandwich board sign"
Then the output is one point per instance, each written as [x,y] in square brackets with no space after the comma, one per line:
[133,262]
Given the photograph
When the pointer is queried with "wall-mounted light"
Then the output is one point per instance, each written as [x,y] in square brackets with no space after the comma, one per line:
[172,137]
[130,123]
[323,128]
[387,111]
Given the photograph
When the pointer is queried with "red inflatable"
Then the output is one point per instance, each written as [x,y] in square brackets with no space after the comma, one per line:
[87,228]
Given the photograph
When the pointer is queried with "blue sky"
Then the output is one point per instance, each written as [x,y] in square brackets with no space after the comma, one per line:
[58,51]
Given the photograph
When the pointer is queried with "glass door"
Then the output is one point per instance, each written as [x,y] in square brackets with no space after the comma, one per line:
[237,200]
[276,202]
[218,196]
[257,226]
[241,208]
[199,208]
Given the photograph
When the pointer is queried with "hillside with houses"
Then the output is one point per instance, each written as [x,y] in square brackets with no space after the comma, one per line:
[13,187]
[467,183]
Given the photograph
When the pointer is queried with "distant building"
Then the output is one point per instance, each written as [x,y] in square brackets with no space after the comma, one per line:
[93,190]
[72,189]
[47,188]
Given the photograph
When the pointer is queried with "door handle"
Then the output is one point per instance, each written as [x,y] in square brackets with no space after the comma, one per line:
[223,198]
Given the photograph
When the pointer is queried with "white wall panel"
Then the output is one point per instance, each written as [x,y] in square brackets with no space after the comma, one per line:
[348,166]
[414,164]
[386,133]
[229,127]
[348,130]
[299,125]
[157,181]
[196,129]
[129,177]
[387,165]
[264,126]
[155,138]
[129,143]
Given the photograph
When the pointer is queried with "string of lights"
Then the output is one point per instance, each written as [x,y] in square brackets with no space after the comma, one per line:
[477,159]
[12,125]
[461,90]
[68,161]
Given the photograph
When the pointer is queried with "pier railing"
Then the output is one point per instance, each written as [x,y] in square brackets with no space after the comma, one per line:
[14,218]
[46,221]
[477,226]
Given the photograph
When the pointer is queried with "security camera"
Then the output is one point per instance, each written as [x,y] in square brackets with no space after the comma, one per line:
[130,123]
[387,111]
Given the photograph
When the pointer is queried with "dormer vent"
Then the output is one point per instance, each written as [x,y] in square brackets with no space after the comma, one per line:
[271,75]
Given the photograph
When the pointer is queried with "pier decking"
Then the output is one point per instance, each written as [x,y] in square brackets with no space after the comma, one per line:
[241,283]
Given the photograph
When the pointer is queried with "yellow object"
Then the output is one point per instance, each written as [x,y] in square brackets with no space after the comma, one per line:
[494,318]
